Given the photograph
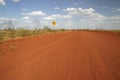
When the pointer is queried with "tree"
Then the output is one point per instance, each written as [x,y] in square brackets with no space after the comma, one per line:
[46,28]
[37,26]
[9,25]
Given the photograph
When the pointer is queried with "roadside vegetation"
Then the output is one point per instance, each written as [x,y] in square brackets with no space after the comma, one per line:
[22,32]
[98,30]
[8,33]
[8,30]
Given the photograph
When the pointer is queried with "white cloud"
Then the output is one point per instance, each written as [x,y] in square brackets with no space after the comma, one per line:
[7,19]
[3,19]
[114,18]
[86,13]
[116,10]
[49,18]
[71,10]
[69,23]
[26,18]
[34,13]
[56,8]
[2,2]
[16,0]
[61,16]
[27,21]
[111,22]
[52,17]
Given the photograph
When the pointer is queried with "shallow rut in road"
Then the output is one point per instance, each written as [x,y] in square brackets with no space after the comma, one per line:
[75,55]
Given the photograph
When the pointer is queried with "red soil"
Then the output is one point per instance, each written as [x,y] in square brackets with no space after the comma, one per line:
[76,55]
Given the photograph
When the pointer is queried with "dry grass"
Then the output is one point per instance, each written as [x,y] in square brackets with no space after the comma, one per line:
[7,35]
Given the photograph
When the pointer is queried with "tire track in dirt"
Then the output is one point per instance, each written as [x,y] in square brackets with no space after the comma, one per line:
[44,51]
[76,55]
[40,52]
[107,59]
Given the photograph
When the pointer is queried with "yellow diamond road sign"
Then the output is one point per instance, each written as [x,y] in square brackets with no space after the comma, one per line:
[53,23]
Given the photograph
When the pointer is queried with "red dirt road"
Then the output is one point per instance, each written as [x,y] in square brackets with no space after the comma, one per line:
[75,55]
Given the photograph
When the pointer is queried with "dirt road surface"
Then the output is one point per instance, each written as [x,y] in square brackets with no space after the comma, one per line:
[75,55]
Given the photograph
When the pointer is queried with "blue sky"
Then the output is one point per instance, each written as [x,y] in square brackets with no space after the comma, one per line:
[69,14]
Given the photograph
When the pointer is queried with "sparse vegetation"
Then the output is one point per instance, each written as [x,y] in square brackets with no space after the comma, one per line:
[9,31]
[7,34]
[1,35]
